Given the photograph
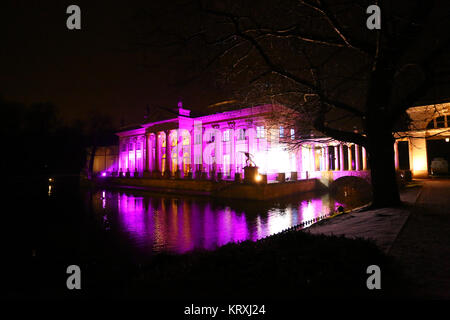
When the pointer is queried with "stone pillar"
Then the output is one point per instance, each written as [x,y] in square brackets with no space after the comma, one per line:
[327,158]
[192,155]
[341,157]
[202,166]
[144,153]
[357,166]
[119,165]
[135,157]
[232,152]
[128,157]
[157,153]
[167,173]
[180,151]
[418,157]
[396,155]
[364,158]
[299,161]
[147,153]
[312,160]
[321,159]
[152,144]
[219,151]
[350,167]
[336,158]
[251,139]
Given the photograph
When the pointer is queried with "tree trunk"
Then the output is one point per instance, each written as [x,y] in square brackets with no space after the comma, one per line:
[382,166]
[380,138]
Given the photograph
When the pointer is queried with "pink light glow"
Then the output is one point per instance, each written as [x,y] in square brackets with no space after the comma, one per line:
[156,224]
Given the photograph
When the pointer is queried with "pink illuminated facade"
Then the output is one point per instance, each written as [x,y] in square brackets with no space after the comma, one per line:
[215,146]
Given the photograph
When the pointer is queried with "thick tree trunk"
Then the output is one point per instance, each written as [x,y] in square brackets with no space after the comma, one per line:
[382,166]
[380,138]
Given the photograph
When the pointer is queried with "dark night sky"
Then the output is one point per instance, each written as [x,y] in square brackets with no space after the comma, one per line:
[95,69]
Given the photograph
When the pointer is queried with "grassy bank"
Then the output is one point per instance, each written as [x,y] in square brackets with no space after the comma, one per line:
[288,265]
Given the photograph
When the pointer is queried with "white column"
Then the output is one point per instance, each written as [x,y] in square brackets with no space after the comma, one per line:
[350,167]
[251,138]
[157,153]
[143,152]
[396,155]
[327,159]
[364,158]
[219,151]
[357,167]
[322,158]
[312,160]
[299,161]
[180,151]
[128,155]
[135,154]
[147,152]
[232,153]
[192,153]
[168,166]
[119,166]
[336,158]
[341,157]
[418,155]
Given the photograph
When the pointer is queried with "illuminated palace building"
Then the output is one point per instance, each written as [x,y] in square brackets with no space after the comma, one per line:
[425,147]
[219,146]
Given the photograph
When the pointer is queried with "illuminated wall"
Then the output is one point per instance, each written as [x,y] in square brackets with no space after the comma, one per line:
[425,125]
[218,143]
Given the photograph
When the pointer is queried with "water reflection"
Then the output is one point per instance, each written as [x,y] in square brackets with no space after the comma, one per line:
[153,223]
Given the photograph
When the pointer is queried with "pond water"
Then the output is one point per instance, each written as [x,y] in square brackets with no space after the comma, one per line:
[153,223]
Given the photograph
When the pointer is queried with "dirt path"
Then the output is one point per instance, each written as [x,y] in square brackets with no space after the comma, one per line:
[423,245]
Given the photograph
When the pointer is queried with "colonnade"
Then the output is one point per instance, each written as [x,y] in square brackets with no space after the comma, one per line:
[335,157]
[172,152]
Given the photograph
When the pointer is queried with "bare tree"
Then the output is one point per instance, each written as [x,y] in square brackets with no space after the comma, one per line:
[318,58]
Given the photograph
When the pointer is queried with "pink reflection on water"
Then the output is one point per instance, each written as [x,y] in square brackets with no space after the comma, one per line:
[232,227]
[131,215]
[155,224]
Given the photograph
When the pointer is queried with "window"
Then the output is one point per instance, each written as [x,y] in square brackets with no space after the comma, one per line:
[241,135]
[430,124]
[440,122]
[198,138]
[186,139]
[292,134]
[281,132]
[437,123]
[260,132]
[226,135]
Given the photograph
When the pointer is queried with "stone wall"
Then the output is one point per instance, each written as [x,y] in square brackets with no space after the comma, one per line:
[223,189]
